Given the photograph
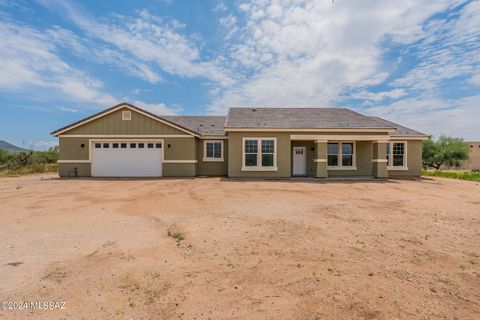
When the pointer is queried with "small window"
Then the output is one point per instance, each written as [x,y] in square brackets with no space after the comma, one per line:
[98,145]
[341,155]
[347,154]
[332,154]
[115,145]
[251,153]
[141,145]
[396,156]
[133,145]
[213,150]
[158,145]
[268,150]
[150,145]
[123,145]
[106,145]
[126,115]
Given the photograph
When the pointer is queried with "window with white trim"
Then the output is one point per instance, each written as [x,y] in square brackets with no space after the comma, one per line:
[340,155]
[396,154]
[212,150]
[259,154]
[126,115]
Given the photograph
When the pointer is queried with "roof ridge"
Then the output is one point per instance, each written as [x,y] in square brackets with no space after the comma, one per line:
[192,115]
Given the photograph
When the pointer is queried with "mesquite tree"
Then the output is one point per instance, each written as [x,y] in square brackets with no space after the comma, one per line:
[446,150]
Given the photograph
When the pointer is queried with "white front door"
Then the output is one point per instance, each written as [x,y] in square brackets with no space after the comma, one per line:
[299,161]
[127,158]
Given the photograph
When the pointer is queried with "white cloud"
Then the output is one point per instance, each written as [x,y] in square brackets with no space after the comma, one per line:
[305,53]
[30,59]
[147,39]
[455,117]
[379,96]
[67,109]
[157,108]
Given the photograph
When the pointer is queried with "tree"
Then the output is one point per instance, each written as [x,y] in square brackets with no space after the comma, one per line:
[446,150]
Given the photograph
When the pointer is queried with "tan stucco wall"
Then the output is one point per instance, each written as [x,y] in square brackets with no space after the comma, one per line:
[180,149]
[179,169]
[113,124]
[283,155]
[66,169]
[71,148]
[212,168]
[414,161]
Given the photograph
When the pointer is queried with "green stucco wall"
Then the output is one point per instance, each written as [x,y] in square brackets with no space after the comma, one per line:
[212,168]
[363,154]
[113,124]
[283,155]
[414,161]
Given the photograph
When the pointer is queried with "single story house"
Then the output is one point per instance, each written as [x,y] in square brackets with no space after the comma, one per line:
[127,141]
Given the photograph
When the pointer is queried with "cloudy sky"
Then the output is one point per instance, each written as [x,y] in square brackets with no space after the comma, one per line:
[412,62]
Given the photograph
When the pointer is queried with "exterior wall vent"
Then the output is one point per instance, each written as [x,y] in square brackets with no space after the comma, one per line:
[126,115]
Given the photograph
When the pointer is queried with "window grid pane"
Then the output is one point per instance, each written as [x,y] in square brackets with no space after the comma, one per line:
[251,146]
[209,150]
[268,146]
[217,150]
[332,154]
[398,154]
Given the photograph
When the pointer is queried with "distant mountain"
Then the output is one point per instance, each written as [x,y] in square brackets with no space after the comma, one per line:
[4,145]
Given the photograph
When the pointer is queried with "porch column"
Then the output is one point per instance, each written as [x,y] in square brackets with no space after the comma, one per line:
[320,159]
[379,159]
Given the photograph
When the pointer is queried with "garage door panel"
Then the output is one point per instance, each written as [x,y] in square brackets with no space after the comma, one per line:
[126,161]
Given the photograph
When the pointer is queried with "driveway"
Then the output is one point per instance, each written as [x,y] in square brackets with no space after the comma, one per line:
[240,249]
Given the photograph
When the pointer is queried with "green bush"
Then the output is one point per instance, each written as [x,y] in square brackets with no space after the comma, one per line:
[464,175]
[25,162]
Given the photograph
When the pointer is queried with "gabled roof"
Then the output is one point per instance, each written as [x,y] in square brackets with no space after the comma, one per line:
[204,125]
[300,118]
[115,108]
[401,130]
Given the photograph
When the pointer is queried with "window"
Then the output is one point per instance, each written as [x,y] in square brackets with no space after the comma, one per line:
[133,145]
[141,145]
[347,154]
[332,151]
[268,152]
[341,155]
[158,145]
[251,153]
[396,155]
[259,154]
[126,115]
[115,145]
[106,145]
[98,145]
[212,150]
[150,145]
[123,145]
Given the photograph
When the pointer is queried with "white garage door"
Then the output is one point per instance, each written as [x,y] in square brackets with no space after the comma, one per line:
[127,159]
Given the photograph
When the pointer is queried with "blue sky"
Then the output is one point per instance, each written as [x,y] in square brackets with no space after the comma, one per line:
[412,62]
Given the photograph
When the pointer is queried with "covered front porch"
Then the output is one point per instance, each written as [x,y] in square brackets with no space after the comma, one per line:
[334,155]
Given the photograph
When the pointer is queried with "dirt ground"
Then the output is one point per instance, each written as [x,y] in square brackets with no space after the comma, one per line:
[298,249]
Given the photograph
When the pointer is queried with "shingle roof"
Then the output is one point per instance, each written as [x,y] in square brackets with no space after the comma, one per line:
[300,118]
[401,130]
[204,125]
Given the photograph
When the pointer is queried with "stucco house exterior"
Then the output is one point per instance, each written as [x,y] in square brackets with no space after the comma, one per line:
[127,141]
